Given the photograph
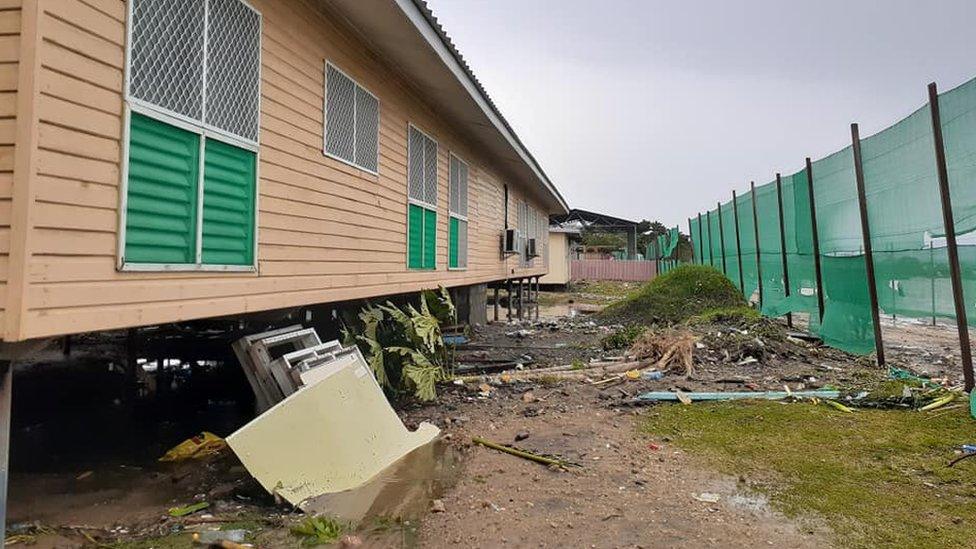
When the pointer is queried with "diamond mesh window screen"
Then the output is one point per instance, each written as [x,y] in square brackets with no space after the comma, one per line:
[233,68]
[430,171]
[415,164]
[340,115]
[352,121]
[367,129]
[463,194]
[167,55]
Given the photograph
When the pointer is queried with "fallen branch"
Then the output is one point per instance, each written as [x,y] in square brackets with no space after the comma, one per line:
[522,453]
[579,373]
[960,458]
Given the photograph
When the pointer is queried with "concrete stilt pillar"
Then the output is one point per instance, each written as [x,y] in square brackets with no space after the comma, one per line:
[508,292]
[6,386]
[496,303]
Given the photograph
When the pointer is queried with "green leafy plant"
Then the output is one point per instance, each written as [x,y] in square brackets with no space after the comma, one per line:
[404,346]
[622,338]
[318,530]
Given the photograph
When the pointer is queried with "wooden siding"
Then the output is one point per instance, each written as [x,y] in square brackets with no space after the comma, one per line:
[11,23]
[326,231]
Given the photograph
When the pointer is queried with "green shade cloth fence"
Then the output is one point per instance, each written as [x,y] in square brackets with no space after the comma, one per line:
[904,215]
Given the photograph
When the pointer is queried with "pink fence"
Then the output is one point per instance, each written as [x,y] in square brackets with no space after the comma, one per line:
[610,269]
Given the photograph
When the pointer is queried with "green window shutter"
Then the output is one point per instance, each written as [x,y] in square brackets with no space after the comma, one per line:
[452,253]
[229,176]
[430,239]
[161,199]
[415,237]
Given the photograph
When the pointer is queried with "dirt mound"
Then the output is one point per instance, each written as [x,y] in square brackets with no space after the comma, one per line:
[674,297]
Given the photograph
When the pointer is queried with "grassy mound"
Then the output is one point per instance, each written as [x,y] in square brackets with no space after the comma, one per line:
[684,292]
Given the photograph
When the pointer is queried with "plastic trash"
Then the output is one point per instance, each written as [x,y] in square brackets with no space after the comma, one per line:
[200,446]
[653,375]
[208,537]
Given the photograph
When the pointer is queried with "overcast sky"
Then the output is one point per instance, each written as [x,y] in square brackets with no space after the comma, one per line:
[657,109]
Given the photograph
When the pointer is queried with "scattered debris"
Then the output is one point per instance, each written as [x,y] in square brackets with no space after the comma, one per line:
[200,446]
[188,509]
[552,462]
[215,537]
[437,506]
[666,348]
[521,435]
[707,497]
[938,403]
[290,449]
[957,459]
[838,406]
[661,396]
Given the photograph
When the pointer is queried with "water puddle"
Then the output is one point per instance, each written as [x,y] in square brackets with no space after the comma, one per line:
[570,310]
[756,503]
[387,508]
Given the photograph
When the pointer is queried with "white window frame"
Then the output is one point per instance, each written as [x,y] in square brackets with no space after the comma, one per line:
[421,203]
[205,131]
[325,110]
[452,154]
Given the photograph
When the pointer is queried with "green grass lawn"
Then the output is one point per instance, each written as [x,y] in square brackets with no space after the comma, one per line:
[878,478]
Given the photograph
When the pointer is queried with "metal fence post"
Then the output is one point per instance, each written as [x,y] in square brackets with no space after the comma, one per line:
[816,240]
[711,243]
[955,274]
[866,236]
[701,242]
[721,237]
[755,227]
[782,245]
[690,232]
[932,278]
[738,242]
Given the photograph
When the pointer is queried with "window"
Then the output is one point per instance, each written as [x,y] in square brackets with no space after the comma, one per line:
[458,210]
[422,200]
[352,121]
[192,98]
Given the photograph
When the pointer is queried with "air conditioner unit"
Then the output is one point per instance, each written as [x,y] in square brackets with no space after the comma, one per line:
[511,242]
[531,248]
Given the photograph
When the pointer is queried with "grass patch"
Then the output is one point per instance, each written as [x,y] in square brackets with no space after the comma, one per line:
[878,477]
[742,315]
[622,338]
[318,530]
[676,296]
[605,288]
[590,293]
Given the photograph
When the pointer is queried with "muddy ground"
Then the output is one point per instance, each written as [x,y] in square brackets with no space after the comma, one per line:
[625,490]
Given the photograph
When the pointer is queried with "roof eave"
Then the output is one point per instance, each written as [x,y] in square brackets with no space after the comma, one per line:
[426,24]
